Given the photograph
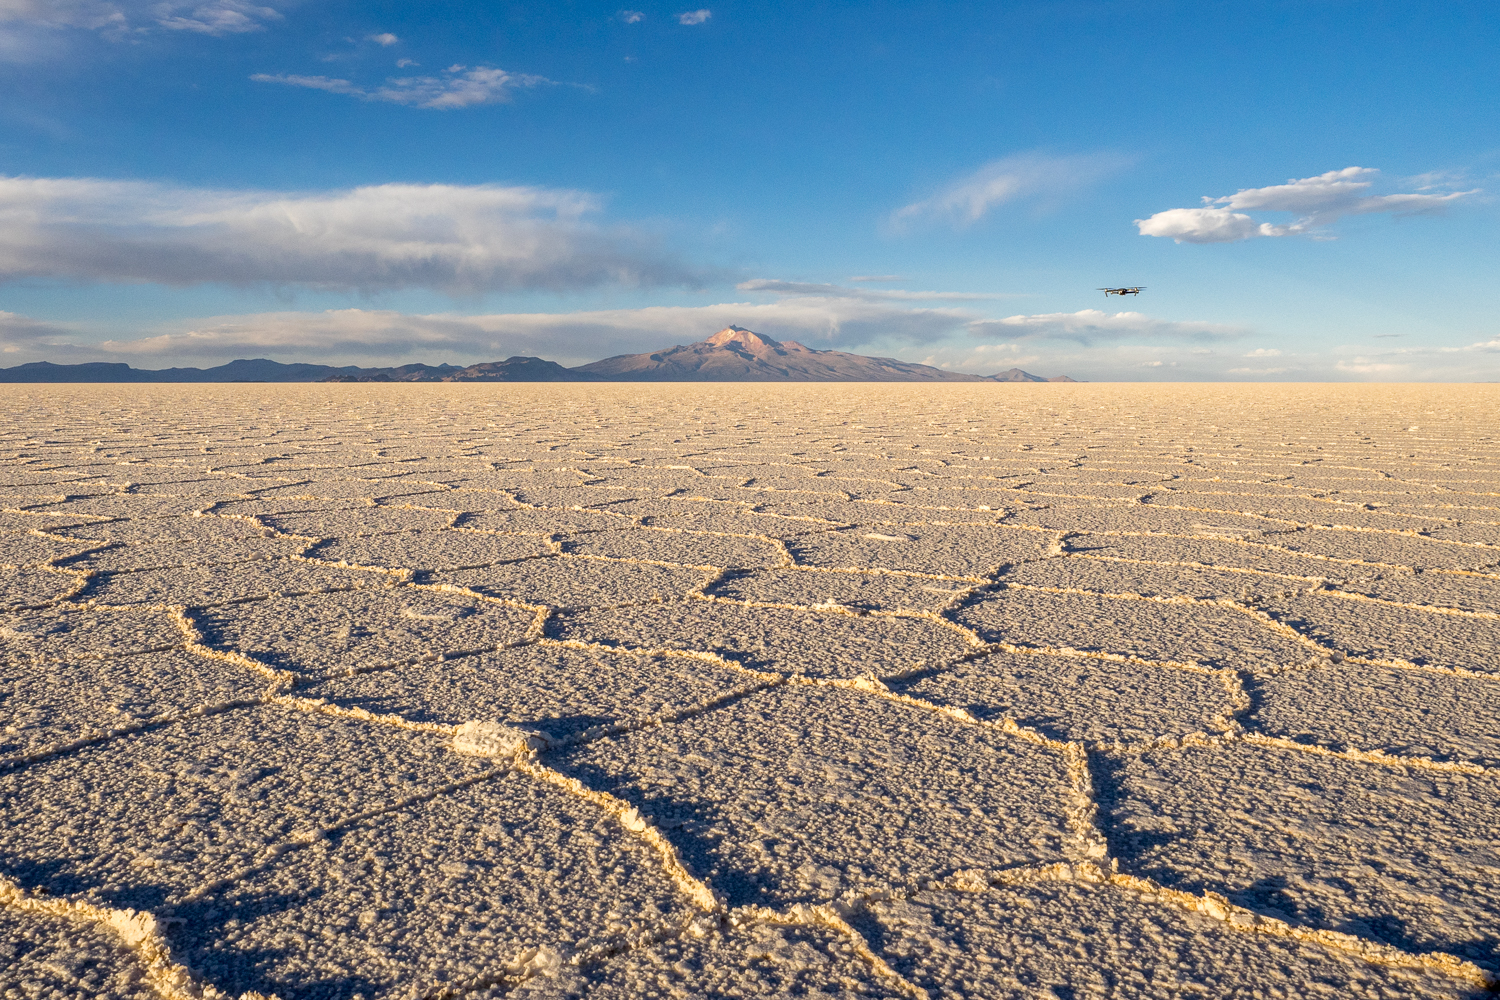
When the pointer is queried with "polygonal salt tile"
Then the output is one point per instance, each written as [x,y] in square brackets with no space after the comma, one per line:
[1262,556]
[1135,517]
[349,630]
[820,643]
[1382,631]
[73,632]
[1403,856]
[60,959]
[48,704]
[1434,589]
[503,877]
[143,819]
[766,960]
[1390,549]
[575,582]
[380,490]
[26,588]
[210,585]
[1203,633]
[691,548]
[342,522]
[1073,939]
[542,521]
[944,550]
[164,555]
[1108,576]
[431,550]
[802,793]
[25,549]
[555,689]
[1414,713]
[1075,698]
[866,591]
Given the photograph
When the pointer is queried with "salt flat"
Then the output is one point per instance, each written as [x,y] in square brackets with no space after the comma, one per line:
[1053,691]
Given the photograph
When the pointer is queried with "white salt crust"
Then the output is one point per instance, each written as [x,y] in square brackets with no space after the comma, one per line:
[994,691]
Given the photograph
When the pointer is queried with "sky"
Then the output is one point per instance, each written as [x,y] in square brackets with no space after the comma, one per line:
[1306,190]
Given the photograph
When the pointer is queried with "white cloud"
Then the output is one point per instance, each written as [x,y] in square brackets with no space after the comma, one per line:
[1090,325]
[1026,175]
[1264,352]
[459,87]
[871,294]
[221,17]
[449,237]
[384,39]
[695,16]
[1317,202]
[29,21]
[403,63]
[631,16]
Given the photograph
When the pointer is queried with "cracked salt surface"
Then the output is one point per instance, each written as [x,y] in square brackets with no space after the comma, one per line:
[814,691]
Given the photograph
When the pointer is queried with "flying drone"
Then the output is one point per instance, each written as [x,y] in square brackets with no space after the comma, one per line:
[1136,290]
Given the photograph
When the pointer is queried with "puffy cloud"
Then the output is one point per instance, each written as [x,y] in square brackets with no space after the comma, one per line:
[385,38]
[631,16]
[1090,325]
[448,237]
[1027,175]
[1317,201]
[458,87]
[695,16]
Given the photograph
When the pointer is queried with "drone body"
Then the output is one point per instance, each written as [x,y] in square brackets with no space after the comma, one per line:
[1134,290]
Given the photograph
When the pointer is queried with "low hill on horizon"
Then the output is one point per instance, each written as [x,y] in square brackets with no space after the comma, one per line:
[734,354]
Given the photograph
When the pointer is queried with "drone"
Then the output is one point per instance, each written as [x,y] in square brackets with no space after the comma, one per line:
[1136,290]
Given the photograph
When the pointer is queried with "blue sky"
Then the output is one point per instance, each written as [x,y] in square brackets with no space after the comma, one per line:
[1305,189]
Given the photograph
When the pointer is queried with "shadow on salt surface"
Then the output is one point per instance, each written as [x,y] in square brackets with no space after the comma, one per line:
[431,550]
[1075,940]
[74,633]
[1406,857]
[800,794]
[557,690]
[435,894]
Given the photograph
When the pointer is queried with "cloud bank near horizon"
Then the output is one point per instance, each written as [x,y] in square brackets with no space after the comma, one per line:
[1091,344]
[459,239]
[1318,202]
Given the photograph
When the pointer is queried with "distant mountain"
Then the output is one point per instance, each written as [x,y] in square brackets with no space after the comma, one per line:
[517,369]
[1017,375]
[735,354]
[256,370]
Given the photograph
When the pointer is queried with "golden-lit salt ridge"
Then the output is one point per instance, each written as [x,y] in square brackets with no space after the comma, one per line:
[891,690]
